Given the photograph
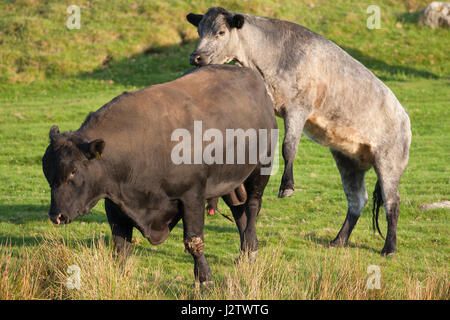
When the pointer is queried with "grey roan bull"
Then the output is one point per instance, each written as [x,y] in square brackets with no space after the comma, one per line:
[123,153]
[321,90]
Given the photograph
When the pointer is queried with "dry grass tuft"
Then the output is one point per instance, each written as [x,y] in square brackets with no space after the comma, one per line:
[331,274]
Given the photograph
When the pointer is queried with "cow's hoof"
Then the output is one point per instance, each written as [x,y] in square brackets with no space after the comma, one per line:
[337,243]
[386,252]
[285,193]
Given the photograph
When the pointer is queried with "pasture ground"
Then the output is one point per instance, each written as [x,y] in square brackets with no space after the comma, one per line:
[52,75]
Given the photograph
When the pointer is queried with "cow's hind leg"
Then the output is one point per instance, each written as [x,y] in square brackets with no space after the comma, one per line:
[352,177]
[245,215]
[121,228]
[389,178]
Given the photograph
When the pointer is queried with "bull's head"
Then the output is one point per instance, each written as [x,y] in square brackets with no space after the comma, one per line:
[73,170]
[219,41]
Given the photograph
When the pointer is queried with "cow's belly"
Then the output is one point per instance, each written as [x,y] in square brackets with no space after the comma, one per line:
[344,139]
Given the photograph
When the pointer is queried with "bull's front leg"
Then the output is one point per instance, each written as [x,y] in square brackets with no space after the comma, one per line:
[294,121]
[121,228]
[193,224]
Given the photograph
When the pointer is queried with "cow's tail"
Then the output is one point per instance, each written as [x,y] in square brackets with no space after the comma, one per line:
[377,203]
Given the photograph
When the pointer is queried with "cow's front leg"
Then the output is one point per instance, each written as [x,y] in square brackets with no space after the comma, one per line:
[294,122]
[193,223]
[121,228]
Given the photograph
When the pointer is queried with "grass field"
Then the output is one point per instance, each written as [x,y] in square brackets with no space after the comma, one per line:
[52,75]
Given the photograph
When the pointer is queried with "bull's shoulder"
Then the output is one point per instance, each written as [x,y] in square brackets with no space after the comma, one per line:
[231,71]
[216,78]
[94,117]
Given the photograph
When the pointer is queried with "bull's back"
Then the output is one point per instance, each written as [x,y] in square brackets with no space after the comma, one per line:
[141,124]
[220,94]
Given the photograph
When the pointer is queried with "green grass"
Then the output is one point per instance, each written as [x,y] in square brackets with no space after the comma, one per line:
[52,75]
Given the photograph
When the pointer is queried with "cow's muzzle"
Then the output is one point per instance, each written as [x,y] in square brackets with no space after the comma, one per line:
[197,59]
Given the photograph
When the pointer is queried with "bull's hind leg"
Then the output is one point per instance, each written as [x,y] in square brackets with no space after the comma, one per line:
[352,177]
[121,228]
[193,223]
[245,215]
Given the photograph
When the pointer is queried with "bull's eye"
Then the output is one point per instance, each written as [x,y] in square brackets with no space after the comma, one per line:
[72,174]
[221,33]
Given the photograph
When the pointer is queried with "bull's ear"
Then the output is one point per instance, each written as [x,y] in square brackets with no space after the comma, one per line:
[93,149]
[54,132]
[236,21]
[194,18]
[96,148]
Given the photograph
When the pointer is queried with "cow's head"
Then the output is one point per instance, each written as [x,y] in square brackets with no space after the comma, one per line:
[74,171]
[218,42]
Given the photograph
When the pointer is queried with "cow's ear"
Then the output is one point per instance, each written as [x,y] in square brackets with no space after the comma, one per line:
[194,18]
[236,21]
[93,149]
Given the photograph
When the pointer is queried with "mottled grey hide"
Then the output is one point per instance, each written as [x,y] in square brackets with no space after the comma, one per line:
[322,91]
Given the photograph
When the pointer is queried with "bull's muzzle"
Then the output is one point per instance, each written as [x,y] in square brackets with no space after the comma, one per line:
[59,218]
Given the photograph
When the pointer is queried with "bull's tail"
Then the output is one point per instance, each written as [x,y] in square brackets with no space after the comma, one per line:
[377,203]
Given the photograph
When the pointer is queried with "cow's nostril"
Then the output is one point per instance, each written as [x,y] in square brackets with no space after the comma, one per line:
[195,59]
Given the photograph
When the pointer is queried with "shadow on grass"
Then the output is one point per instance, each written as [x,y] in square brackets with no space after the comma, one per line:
[33,241]
[151,66]
[407,17]
[379,65]
[325,243]
[165,63]
[19,214]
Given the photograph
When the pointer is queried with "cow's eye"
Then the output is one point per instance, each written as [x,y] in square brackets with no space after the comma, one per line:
[221,33]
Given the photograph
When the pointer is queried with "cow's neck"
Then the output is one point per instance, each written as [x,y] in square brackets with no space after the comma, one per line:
[260,53]
[255,50]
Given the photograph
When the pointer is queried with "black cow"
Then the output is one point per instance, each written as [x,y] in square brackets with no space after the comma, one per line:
[129,152]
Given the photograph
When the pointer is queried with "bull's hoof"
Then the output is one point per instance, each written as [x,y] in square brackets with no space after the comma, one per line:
[205,285]
[250,257]
[285,193]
